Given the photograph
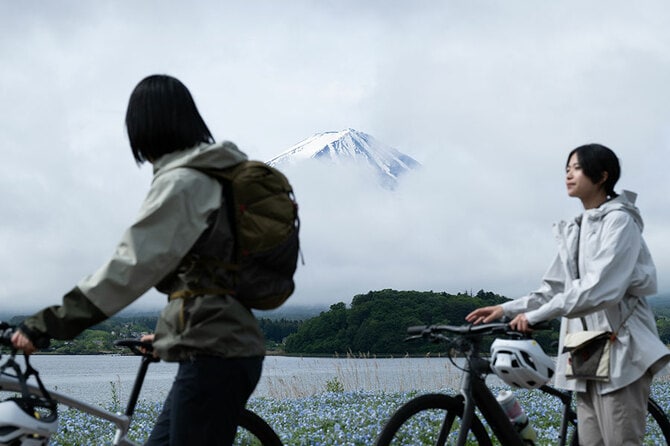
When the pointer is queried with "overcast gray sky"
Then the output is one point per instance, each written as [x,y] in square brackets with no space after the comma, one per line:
[490,96]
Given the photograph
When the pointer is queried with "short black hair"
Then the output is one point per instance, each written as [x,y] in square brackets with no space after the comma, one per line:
[595,159]
[162,118]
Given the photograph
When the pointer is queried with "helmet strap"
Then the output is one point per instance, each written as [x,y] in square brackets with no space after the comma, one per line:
[30,399]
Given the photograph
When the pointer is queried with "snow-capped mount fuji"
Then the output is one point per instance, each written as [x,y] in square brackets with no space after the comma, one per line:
[350,146]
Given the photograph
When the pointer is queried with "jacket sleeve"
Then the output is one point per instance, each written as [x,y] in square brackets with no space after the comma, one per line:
[65,321]
[609,271]
[174,214]
[552,284]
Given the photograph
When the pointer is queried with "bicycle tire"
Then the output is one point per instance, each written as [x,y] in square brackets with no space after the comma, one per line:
[439,409]
[660,418]
[659,427]
[253,430]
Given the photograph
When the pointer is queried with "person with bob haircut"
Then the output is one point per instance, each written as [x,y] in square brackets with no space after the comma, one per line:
[599,280]
[216,340]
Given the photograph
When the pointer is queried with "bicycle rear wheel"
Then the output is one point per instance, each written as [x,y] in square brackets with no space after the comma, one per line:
[658,426]
[253,430]
[432,419]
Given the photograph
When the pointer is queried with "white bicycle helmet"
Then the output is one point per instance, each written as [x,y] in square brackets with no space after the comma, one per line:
[521,363]
[26,423]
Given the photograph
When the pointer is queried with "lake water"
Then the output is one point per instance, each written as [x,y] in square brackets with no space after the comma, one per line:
[93,378]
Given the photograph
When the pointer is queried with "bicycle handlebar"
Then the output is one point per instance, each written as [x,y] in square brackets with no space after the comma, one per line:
[140,348]
[492,328]
[463,330]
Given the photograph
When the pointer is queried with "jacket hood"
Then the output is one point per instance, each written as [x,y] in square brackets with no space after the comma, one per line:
[624,202]
[218,155]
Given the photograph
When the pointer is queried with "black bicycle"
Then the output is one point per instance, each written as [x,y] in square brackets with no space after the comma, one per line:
[34,398]
[439,419]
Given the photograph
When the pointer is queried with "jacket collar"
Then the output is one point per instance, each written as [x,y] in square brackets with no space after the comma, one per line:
[218,156]
[623,202]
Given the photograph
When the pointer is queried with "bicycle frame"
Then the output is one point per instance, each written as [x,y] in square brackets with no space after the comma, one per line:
[476,394]
[475,403]
[121,420]
[18,382]
[568,414]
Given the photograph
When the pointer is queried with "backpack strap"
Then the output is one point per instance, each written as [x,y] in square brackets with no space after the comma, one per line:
[630,313]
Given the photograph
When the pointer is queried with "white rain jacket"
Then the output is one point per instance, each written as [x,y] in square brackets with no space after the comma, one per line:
[602,278]
[176,212]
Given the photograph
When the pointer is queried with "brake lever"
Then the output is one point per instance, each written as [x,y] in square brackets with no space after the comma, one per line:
[6,332]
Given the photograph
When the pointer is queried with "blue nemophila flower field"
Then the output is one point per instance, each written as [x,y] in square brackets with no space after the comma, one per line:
[330,418]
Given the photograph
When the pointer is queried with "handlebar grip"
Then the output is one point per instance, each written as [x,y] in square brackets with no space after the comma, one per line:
[416,329]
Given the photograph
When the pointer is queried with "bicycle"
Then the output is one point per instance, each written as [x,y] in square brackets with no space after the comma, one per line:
[452,419]
[30,418]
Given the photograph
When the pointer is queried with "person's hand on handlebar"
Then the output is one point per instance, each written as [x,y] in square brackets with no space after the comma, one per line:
[520,323]
[149,339]
[21,342]
[495,312]
[485,315]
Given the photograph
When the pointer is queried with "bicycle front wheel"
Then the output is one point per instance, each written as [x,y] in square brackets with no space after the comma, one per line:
[432,419]
[253,430]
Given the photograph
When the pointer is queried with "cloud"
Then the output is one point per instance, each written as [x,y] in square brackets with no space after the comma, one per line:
[357,236]
[490,98]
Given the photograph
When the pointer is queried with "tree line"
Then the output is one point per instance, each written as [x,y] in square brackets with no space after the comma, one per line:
[661,307]
[376,323]
[100,338]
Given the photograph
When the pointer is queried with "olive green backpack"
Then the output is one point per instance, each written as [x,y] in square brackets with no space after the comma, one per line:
[263,215]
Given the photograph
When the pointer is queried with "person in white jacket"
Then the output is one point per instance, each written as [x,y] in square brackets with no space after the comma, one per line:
[601,276]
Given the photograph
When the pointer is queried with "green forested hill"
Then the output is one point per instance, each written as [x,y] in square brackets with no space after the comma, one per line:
[376,322]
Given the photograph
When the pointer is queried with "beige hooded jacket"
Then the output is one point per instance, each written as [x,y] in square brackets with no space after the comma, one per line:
[176,212]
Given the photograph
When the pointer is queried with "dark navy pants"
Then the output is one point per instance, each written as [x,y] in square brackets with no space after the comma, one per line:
[205,400]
